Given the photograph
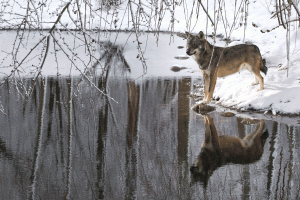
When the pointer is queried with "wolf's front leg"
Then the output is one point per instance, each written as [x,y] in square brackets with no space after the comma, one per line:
[206,87]
[211,87]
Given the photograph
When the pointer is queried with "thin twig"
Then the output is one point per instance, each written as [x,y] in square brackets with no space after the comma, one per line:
[206,12]
[83,74]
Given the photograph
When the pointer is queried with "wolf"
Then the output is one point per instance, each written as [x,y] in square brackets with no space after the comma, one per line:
[218,150]
[217,61]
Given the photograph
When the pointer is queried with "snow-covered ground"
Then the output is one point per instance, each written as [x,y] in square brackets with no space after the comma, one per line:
[282,85]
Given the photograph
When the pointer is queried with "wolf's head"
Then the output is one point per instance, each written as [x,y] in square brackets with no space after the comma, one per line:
[205,165]
[195,43]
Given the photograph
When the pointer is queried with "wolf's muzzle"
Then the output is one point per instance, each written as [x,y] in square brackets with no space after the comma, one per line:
[189,53]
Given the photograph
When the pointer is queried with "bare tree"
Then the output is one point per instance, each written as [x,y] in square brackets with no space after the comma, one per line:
[283,13]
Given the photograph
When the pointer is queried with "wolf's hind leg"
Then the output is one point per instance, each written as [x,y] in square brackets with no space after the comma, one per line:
[255,134]
[256,81]
[261,81]
[258,76]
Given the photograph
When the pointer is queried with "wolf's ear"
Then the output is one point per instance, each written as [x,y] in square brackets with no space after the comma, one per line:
[201,35]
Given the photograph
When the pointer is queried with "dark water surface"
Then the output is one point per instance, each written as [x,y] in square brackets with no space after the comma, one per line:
[70,142]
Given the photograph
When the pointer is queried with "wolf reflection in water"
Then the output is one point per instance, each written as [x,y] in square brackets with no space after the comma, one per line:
[220,150]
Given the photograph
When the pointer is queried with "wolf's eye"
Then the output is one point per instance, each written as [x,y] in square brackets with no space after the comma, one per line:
[191,42]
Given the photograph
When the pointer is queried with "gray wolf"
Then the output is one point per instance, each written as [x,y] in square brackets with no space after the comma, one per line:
[218,150]
[217,61]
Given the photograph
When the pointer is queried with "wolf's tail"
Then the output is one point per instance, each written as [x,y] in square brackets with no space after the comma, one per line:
[263,67]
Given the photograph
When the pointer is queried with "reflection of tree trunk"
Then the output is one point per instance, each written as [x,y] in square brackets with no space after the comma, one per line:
[39,142]
[39,114]
[246,170]
[58,100]
[241,127]
[60,118]
[51,106]
[70,138]
[3,150]
[278,189]
[133,111]
[102,131]
[271,157]
[291,158]
[183,133]
[283,171]
[133,92]
[183,119]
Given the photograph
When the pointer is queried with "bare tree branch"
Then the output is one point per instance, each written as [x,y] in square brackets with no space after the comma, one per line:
[212,22]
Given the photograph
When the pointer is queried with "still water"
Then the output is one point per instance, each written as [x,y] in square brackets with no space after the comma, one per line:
[68,141]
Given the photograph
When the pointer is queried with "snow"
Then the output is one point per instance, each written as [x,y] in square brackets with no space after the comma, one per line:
[282,86]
